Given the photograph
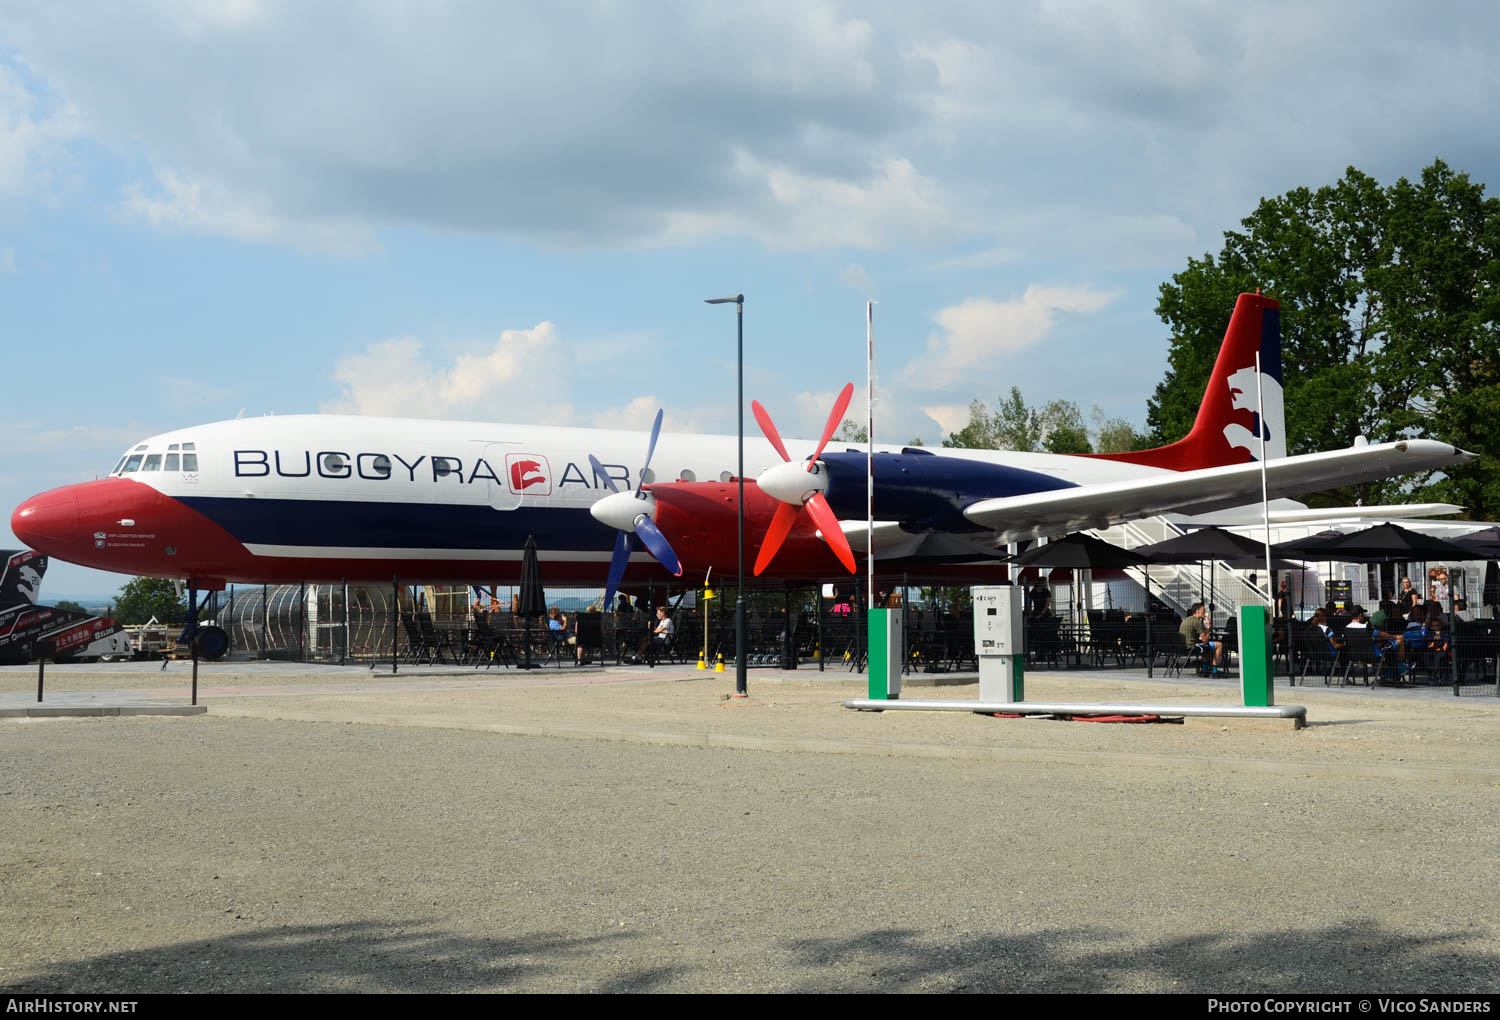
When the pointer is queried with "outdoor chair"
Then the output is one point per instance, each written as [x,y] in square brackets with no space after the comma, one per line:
[1315,653]
[590,632]
[1360,650]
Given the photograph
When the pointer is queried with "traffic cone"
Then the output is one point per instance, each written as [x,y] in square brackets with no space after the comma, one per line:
[701,663]
[719,666]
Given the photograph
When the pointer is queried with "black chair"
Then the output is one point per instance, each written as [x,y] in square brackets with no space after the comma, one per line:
[589,629]
[1360,650]
[1315,653]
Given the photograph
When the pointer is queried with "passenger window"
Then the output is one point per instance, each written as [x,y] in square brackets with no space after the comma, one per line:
[190,461]
[171,464]
[132,464]
[153,462]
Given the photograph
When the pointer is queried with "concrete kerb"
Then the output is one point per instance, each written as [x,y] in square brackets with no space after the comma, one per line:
[1294,716]
[73,711]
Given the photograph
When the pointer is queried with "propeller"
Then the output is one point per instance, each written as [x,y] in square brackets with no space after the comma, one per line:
[800,486]
[632,513]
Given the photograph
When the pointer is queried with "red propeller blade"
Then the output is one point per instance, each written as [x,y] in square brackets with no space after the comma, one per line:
[769,427]
[781,524]
[823,517]
[839,407]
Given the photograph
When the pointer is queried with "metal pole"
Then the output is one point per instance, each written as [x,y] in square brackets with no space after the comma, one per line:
[193,631]
[1146,569]
[41,671]
[786,629]
[822,648]
[741,688]
[344,652]
[395,611]
[265,620]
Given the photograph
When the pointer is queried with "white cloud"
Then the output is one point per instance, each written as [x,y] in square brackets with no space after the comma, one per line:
[799,125]
[205,208]
[639,413]
[856,277]
[977,330]
[522,376]
[33,138]
[949,417]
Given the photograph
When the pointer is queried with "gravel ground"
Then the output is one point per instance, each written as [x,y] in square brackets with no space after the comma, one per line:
[644,835]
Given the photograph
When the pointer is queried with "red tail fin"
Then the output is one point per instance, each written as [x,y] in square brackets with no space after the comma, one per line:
[1228,427]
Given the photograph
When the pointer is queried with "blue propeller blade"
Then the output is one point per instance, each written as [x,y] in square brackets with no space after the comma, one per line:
[652,538]
[651,448]
[617,564]
[600,472]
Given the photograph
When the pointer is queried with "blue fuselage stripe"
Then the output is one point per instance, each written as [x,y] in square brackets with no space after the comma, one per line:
[358,524]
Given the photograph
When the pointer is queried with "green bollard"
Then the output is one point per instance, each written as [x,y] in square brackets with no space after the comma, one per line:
[1256,675]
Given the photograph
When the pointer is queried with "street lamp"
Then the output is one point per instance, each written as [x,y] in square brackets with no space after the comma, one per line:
[740,690]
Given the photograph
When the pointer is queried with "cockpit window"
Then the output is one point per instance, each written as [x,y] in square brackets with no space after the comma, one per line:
[172,447]
[138,449]
[190,446]
[171,463]
[189,460]
[132,463]
[118,466]
[153,462]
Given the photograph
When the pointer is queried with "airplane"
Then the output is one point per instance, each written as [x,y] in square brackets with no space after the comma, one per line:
[330,498]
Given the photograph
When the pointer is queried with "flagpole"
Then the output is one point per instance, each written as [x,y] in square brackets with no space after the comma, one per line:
[870,449]
[1265,502]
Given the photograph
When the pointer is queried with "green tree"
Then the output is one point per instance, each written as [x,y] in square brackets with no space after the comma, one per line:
[1389,316]
[1063,429]
[141,598]
[69,606]
[1117,435]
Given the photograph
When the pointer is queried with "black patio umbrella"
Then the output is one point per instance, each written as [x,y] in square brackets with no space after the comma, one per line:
[532,599]
[1492,584]
[1079,552]
[1205,544]
[1484,544]
[1084,552]
[940,547]
[1384,543]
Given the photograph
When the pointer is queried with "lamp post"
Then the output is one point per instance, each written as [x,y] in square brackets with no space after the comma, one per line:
[740,690]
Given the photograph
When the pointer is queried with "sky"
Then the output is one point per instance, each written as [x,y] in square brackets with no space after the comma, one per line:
[513,212]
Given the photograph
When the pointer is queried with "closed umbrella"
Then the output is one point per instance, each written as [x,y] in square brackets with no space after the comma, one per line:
[532,600]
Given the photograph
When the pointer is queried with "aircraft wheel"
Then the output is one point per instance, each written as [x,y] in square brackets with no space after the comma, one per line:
[213,643]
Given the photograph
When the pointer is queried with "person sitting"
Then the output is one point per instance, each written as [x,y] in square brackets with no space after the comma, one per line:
[1321,620]
[1461,610]
[557,623]
[1196,635]
[1384,642]
[1438,645]
[660,636]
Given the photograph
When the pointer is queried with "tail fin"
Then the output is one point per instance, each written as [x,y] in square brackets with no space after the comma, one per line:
[21,577]
[1228,428]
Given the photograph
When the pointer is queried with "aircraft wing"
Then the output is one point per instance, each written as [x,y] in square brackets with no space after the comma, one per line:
[1195,492]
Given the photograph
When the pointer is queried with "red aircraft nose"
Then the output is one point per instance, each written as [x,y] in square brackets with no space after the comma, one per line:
[48,522]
